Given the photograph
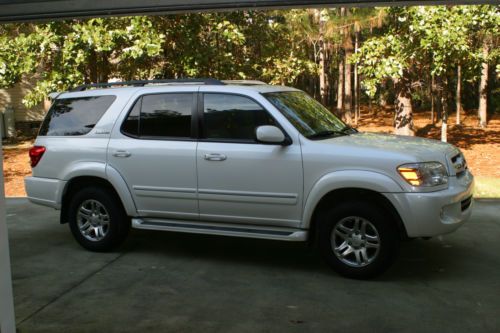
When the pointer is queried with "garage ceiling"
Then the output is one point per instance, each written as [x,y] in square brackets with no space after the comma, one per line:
[29,10]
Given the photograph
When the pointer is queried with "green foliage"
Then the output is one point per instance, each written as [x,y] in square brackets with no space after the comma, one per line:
[276,46]
[433,37]
[235,45]
[17,55]
[66,54]
[381,58]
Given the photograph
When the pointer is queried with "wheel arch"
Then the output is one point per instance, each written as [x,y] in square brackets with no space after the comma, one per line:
[78,182]
[359,194]
[351,185]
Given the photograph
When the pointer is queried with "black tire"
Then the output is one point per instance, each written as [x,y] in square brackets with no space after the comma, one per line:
[381,226]
[117,228]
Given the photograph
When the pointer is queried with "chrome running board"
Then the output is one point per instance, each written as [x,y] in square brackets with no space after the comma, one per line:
[208,228]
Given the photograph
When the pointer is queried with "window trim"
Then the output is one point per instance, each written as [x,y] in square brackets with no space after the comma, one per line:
[193,128]
[201,113]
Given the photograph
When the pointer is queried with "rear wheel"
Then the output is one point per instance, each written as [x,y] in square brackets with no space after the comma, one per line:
[358,239]
[97,219]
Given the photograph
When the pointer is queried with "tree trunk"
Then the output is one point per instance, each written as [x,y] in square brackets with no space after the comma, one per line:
[311,85]
[104,68]
[431,93]
[348,79]
[483,92]
[444,113]
[404,112]
[93,68]
[322,58]
[444,124]
[356,81]
[438,91]
[458,97]
[340,87]
[328,91]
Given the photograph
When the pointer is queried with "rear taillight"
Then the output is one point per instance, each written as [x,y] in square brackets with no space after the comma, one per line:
[36,154]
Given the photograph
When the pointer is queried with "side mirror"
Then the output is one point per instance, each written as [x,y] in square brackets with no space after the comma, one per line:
[271,134]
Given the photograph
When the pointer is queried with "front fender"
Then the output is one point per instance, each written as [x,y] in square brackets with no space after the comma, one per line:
[362,179]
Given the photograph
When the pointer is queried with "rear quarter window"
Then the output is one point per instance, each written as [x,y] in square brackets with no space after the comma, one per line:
[75,116]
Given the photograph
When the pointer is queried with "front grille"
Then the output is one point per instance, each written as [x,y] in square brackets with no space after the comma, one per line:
[465,204]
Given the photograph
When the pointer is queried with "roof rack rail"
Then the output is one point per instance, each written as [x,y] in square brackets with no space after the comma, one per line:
[244,82]
[142,83]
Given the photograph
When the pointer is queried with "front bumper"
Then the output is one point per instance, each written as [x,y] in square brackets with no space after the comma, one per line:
[435,213]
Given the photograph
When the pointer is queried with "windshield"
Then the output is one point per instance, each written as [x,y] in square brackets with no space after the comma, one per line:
[308,116]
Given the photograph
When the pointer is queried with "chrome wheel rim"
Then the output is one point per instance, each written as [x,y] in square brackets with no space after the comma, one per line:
[93,220]
[355,241]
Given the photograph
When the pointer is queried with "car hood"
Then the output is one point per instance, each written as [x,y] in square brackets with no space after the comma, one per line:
[402,148]
[420,147]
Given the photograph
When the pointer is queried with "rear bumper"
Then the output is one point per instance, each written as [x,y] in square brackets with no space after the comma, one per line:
[435,213]
[44,191]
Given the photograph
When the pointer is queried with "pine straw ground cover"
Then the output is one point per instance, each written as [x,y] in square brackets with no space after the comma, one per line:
[480,146]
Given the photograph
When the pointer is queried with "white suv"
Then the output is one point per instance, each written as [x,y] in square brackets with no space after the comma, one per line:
[241,159]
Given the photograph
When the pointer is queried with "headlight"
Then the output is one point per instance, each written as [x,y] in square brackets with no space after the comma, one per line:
[424,174]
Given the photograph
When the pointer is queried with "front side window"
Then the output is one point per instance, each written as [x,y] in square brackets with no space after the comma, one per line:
[233,117]
[160,115]
[307,115]
[75,116]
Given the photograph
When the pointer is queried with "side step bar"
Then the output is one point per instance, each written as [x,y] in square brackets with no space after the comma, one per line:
[235,230]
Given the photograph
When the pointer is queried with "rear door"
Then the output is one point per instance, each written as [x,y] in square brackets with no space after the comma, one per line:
[154,149]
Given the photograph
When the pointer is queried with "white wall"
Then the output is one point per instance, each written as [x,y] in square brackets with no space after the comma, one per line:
[7,318]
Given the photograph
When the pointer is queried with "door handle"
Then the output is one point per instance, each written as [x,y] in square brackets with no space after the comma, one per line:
[121,153]
[215,157]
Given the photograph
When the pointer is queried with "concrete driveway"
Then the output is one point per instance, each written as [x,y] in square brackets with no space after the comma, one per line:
[168,282]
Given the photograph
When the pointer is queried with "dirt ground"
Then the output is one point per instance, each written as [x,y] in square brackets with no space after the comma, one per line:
[480,146]
[16,165]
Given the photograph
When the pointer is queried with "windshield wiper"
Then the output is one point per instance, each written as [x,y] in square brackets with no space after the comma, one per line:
[325,134]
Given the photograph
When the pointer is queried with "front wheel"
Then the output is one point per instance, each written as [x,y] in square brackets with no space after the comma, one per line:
[358,239]
[97,219]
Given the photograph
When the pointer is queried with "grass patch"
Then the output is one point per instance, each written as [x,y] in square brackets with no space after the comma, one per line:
[487,187]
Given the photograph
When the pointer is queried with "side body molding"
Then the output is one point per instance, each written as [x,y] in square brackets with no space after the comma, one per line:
[100,170]
[363,179]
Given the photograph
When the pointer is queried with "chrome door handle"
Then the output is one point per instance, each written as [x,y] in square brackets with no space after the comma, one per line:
[121,153]
[215,157]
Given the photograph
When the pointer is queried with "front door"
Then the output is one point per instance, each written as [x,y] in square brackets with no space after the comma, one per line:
[239,179]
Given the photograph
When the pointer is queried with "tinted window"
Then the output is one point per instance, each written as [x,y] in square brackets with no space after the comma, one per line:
[131,124]
[75,116]
[161,115]
[233,117]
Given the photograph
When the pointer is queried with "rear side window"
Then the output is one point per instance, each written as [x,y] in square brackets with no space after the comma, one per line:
[160,115]
[233,117]
[75,116]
